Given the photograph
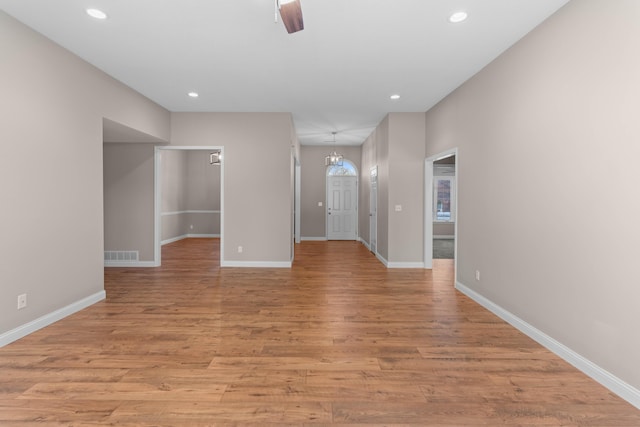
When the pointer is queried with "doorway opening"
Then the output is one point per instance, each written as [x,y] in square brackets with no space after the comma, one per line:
[440,207]
[342,201]
[444,207]
[189,195]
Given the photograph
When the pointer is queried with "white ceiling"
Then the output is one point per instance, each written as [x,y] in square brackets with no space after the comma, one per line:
[335,75]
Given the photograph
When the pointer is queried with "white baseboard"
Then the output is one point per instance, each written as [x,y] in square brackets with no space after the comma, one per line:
[256,264]
[610,381]
[188,236]
[46,320]
[316,239]
[365,243]
[189,212]
[131,264]
[173,239]
[405,265]
[382,260]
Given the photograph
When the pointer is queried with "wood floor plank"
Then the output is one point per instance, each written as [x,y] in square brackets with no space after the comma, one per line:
[296,363]
[233,413]
[450,414]
[341,351]
[337,340]
[126,391]
[60,411]
[324,393]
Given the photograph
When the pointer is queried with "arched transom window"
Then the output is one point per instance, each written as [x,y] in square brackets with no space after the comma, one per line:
[346,169]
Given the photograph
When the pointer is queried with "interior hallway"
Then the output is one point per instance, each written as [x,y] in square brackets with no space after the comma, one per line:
[337,339]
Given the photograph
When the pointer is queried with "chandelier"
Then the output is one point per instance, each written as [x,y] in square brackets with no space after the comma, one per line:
[333,159]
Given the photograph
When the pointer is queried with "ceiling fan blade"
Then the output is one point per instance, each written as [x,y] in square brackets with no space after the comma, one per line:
[291,13]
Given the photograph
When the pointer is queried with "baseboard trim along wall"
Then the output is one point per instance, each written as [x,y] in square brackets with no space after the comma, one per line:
[131,264]
[405,265]
[382,260]
[316,239]
[610,381]
[256,264]
[443,237]
[46,320]
[189,236]
[365,243]
[393,264]
[173,239]
[189,212]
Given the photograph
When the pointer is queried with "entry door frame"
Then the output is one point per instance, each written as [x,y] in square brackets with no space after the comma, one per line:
[428,208]
[357,201]
[157,203]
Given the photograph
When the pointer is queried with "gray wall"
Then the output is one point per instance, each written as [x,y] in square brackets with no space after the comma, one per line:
[559,113]
[51,178]
[313,187]
[173,177]
[368,160]
[258,185]
[190,190]
[397,147]
[128,198]
[444,229]
[406,183]
[382,149]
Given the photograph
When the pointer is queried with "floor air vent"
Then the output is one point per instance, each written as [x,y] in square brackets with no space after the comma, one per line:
[121,256]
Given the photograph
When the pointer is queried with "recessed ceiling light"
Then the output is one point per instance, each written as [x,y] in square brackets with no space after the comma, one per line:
[395,96]
[193,94]
[96,13]
[458,17]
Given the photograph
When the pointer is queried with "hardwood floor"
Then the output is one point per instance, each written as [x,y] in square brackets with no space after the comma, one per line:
[336,340]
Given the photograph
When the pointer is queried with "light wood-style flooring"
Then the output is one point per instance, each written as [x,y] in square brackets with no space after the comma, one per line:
[336,340]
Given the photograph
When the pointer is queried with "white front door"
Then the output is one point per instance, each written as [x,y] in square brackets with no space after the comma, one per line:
[342,202]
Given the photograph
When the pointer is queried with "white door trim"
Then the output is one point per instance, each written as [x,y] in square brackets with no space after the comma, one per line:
[357,200]
[373,221]
[298,192]
[157,222]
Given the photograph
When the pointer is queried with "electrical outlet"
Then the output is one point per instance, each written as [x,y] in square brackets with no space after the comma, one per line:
[239,249]
[191,227]
[477,274]
[22,301]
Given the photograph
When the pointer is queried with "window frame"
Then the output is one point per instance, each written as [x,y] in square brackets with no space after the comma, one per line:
[452,196]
